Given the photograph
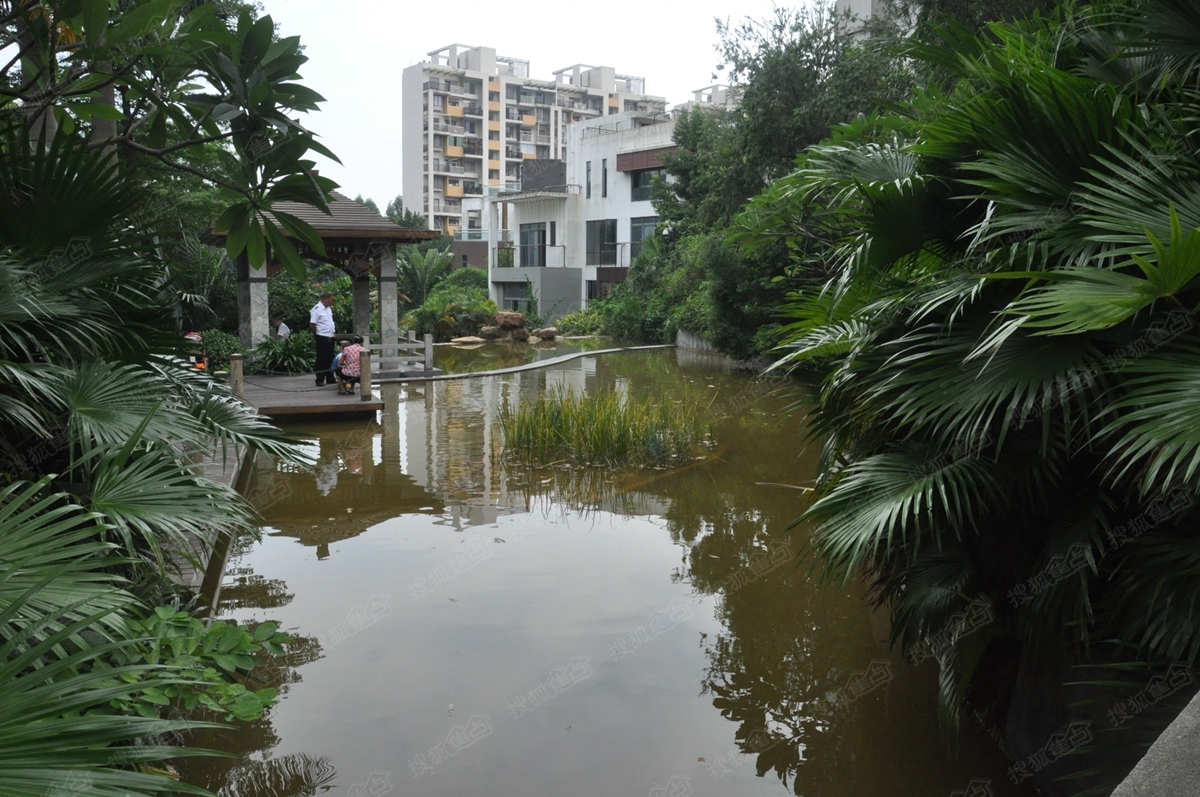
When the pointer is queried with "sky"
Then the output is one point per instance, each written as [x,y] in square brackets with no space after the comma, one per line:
[358,49]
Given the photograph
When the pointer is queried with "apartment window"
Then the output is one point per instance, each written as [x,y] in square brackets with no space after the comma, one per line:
[604,177]
[553,242]
[587,183]
[493,96]
[602,242]
[641,180]
[533,245]
[640,228]
[512,91]
[465,262]
[515,296]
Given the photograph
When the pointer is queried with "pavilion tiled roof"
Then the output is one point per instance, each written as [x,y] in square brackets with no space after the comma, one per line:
[350,219]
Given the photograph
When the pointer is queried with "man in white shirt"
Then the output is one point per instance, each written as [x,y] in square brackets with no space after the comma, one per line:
[282,330]
[320,321]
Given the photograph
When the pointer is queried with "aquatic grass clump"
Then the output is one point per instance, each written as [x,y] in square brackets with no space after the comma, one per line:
[605,429]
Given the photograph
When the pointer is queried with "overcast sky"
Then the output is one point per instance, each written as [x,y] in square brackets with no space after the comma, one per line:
[357,50]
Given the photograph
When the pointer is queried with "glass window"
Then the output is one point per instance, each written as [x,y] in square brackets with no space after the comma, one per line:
[640,228]
[602,242]
[587,193]
[641,180]
[604,177]
[533,245]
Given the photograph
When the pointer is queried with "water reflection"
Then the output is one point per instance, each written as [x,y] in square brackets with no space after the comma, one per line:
[640,633]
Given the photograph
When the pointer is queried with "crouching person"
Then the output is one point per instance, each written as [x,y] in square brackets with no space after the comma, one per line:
[348,371]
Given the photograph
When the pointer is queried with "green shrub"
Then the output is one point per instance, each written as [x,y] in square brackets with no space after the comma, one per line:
[218,346]
[589,321]
[467,278]
[292,300]
[291,355]
[452,311]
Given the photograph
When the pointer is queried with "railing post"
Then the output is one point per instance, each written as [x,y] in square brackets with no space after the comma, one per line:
[428,352]
[236,374]
[364,375]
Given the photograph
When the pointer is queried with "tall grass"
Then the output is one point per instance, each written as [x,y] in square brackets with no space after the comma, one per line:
[604,429]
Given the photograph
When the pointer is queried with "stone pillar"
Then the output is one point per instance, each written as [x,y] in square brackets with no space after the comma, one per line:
[253,322]
[362,304]
[389,307]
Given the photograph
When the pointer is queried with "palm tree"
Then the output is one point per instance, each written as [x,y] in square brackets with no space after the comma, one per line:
[418,272]
[1008,351]
[100,421]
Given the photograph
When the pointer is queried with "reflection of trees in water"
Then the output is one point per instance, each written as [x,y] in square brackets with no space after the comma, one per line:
[296,775]
[251,772]
[762,672]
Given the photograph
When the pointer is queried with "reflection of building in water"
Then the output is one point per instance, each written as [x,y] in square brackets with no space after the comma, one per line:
[450,431]
[439,451]
[452,445]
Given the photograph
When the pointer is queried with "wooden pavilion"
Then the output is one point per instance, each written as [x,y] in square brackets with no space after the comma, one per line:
[359,241]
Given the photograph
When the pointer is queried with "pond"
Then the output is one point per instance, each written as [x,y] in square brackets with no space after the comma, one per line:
[467,628]
[477,357]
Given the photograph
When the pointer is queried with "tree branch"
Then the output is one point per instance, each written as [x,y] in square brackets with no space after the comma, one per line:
[183,167]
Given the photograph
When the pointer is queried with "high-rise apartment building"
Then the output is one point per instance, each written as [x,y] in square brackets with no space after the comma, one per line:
[471,118]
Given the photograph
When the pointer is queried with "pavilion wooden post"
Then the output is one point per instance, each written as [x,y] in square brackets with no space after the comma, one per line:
[428,352]
[364,366]
[236,374]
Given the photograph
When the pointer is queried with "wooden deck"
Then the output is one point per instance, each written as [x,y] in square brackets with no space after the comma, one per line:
[284,396]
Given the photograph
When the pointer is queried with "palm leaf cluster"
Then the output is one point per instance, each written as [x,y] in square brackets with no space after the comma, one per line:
[99,495]
[1009,348]
[103,428]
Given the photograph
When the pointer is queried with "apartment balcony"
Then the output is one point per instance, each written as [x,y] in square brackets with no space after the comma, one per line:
[447,208]
[512,114]
[530,256]
[454,191]
[472,109]
[437,85]
[528,120]
[453,151]
[454,111]
[454,130]
[457,168]
[527,99]
[545,140]
[472,187]
[512,152]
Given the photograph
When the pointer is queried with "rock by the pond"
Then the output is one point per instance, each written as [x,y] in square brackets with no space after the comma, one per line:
[468,339]
[508,320]
[520,334]
[545,333]
[490,333]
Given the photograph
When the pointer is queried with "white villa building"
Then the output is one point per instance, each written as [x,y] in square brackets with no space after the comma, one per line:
[571,229]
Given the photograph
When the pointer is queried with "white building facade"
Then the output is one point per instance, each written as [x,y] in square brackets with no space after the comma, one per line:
[570,233]
[472,119]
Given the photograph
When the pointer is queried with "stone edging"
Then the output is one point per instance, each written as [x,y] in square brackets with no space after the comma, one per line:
[518,368]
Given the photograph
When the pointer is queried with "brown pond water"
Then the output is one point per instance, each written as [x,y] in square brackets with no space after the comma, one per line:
[463,629]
